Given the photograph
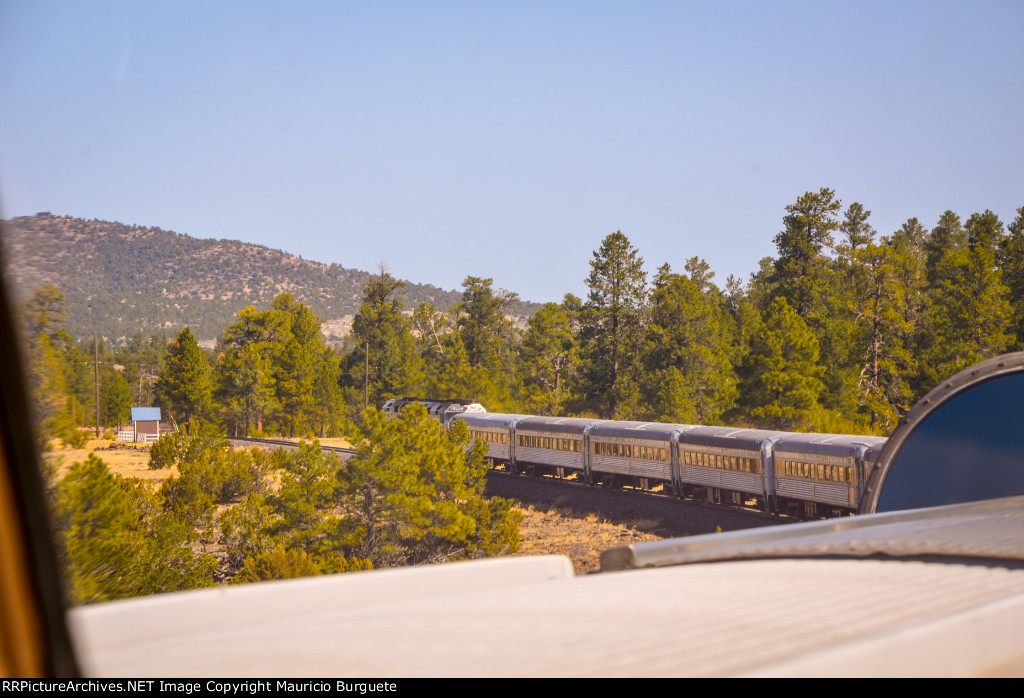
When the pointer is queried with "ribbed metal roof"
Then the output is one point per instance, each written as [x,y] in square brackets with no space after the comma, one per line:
[827,444]
[729,437]
[989,530]
[651,431]
[556,425]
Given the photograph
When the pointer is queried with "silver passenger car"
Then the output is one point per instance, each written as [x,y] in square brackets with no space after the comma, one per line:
[497,431]
[634,453]
[824,474]
[726,464]
[554,445]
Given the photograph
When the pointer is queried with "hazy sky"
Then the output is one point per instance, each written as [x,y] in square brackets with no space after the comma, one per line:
[506,140]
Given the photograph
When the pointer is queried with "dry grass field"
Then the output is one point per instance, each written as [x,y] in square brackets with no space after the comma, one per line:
[128,460]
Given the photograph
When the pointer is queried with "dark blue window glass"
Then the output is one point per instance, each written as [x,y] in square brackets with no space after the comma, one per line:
[969,448]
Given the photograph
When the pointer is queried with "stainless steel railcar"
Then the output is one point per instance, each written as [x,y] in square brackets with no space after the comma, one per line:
[802,475]
[822,474]
[496,430]
[726,464]
[642,454]
[558,446]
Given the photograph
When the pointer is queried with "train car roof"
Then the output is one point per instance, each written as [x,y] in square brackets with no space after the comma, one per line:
[489,419]
[730,437]
[828,444]
[558,425]
[652,431]
[793,600]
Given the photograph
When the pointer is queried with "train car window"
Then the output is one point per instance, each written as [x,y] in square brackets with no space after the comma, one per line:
[967,448]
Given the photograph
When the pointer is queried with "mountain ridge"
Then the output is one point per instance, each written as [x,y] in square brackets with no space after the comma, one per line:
[147,279]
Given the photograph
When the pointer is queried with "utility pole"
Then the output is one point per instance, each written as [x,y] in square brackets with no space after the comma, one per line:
[95,371]
[366,378]
[96,378]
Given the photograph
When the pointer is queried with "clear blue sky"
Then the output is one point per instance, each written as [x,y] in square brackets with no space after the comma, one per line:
[506,139]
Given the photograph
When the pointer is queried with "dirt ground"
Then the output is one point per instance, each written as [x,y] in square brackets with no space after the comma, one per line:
[579,535]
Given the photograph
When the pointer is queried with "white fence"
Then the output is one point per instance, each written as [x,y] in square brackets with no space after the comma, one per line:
[129,437]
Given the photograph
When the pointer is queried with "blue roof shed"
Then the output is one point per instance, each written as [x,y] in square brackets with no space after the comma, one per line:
[145,414]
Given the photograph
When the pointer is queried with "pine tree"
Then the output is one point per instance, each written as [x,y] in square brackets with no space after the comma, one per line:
[781,377]
[856,228]
[801,267]
[1011,262]
[687,374]
[117,542]
[947,236]
[383,362]
[486,333]
[185,386]
[413,493]
[116,396]
[547,358]
[969,311]
[613,321]
[884,334]
[249,350]
[296,365]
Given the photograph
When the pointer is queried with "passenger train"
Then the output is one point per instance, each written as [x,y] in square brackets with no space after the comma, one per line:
[799,475]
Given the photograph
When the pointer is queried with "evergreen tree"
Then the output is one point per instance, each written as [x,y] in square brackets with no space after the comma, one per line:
[245,387]
[45,351]
[885,334]
[486,333]
[116,396]
[250,349]
[947,236]
[547,356]
[185,386]
[968,310]
[856,228]
[687,376]
[613,321]
[383,362]
[1011,262]
[117,543]
[413,493]
[781,378]
[308,479]
[801,267]
[296,365]
[327,412]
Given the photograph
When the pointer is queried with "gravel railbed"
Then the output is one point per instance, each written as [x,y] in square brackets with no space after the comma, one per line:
[664,516]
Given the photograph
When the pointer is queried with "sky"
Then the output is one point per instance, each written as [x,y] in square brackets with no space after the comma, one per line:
[507,139]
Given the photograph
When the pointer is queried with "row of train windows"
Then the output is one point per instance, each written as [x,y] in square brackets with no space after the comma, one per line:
[489,437]
[550,442]
[713,460]
[816,471]
[629,451]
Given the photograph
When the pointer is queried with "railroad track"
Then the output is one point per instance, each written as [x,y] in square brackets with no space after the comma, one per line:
[285,443]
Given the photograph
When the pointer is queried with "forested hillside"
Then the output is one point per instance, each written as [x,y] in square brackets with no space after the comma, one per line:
[151,280]
[841,332]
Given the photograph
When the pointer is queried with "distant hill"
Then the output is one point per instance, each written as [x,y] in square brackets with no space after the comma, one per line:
[153,280]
